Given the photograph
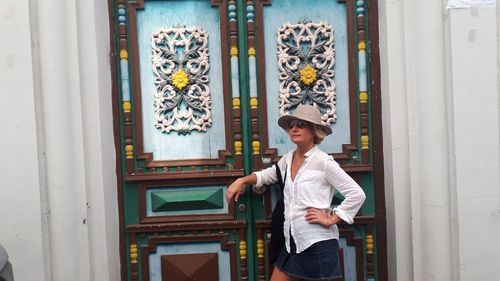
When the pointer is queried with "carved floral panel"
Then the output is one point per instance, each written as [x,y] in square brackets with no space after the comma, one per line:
[306,57]
[180,61]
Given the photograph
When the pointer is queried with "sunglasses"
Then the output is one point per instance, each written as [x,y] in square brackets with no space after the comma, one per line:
[299,123]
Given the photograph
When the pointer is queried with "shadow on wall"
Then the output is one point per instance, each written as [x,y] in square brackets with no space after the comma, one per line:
[5,266]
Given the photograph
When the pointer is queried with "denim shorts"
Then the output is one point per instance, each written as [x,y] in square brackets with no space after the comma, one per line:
[318,262]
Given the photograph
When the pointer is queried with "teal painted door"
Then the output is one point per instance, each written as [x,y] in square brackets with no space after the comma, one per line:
[199,86]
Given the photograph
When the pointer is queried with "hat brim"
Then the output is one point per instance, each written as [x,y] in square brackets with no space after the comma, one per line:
[285,119]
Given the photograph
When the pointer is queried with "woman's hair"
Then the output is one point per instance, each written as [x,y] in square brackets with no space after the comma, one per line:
[319,134]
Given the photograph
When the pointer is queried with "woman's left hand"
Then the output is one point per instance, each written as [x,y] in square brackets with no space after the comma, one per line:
[319,216]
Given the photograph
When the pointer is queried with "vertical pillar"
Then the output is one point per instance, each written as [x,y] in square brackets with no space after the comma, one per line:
[21,231]
[75,117]
[429,139]
[62,135]
[474,114]
[396,140]
[416,150]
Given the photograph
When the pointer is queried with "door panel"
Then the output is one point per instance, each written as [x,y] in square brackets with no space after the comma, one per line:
[182,141]
[203,138]
[298,17]
[330,38]
[200,86]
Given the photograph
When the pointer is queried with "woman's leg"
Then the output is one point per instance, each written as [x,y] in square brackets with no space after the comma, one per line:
[279,275]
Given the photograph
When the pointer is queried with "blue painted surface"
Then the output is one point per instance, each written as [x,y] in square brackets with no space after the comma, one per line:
[197,248]
[149,211]
[349,260]
[125,80]
[291,11]
[252,70]
[167,14]
[362,71]
[235,77]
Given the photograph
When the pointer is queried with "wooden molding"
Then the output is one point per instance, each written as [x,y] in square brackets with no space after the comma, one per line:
[184,175]
[137,101]
[154,241]
[144,219]
[186,226]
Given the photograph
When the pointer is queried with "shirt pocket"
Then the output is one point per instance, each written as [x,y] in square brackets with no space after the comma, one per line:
[313,190]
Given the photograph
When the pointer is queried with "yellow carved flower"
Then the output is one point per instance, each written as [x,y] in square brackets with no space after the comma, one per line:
[180,79]
[307,75]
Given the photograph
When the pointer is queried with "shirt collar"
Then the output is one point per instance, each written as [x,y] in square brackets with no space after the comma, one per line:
[307,154]
[311,151]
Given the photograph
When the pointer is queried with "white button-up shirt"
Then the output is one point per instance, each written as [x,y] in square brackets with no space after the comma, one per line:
[314,186]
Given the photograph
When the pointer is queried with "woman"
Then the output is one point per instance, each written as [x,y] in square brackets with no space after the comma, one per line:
[311,234]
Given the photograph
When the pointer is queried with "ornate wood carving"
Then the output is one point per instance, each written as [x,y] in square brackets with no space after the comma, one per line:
[349,152]
[147,157]
[182,267]
[143,218]
[133,258]
[187,226]
[306,56]
[141,170]
[154,241]
[180,175]
[243,254]
[182,99]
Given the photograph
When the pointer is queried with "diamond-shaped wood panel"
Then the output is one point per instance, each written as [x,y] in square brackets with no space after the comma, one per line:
[178,200]
[190,267]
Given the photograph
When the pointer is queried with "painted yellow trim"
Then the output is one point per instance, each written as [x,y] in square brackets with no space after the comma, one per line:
[238,147]
[234,52]
[123,54]
[243,250]
[133,253]
[254,103]
[363,97]
[126,106]
[361,45]
[364,142]
[260,248]
[369,244]
[256,147]
[236,103]
[129,151]
[251,52]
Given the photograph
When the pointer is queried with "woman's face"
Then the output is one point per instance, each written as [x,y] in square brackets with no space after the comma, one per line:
[301,132]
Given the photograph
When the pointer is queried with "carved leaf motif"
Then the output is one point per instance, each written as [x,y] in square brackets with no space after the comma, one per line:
[180,62]
[306,57]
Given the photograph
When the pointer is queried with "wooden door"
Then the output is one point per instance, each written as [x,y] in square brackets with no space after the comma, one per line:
[199,87]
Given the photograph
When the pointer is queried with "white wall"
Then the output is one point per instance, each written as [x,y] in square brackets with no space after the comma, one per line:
[441,143]
[20,197]
[474,106]
[58,207]
[440,121]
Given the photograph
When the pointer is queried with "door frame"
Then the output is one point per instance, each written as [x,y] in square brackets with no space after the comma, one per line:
[376,117]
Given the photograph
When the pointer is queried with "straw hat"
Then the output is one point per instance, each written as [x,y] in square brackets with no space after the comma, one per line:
[307,113]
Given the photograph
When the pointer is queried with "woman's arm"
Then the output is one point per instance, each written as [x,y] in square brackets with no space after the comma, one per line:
[263,177]
[324,217]
[238,187]
[354,197]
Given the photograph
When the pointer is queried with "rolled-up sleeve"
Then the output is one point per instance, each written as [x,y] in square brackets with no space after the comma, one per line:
[354,196]
[266,176]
